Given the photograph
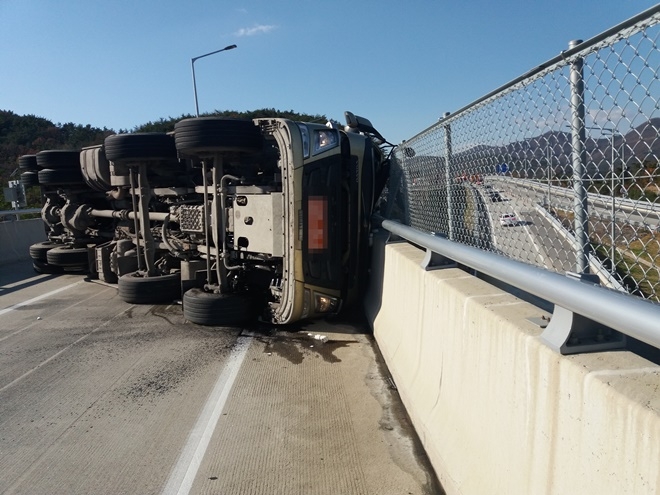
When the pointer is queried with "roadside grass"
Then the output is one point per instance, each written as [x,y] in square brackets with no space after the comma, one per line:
[637,260]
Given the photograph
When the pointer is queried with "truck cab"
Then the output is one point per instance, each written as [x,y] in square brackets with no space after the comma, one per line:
[296,217]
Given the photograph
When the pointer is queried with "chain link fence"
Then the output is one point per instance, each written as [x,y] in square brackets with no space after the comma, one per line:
[558,169]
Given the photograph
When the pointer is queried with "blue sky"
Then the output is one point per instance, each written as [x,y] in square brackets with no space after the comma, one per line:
[402,64]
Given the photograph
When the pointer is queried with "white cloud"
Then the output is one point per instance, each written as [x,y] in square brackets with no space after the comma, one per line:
[258,29]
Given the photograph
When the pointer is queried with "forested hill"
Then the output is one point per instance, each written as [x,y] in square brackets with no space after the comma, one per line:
[29,134]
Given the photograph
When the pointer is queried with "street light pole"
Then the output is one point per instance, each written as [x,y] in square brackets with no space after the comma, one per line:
[192,64]
[549,169]
[612,191]
[613,211]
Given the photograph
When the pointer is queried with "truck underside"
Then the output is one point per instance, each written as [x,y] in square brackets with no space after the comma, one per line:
[237,218]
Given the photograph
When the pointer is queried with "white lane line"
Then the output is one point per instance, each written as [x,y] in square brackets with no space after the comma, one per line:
[33,324]
[41,364]
[536,248]
[22,282]
[38,298]
[183,475]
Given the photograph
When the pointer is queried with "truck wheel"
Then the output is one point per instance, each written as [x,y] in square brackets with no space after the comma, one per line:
[57,159]
[141,146]
[38,250]
[68,257]
[45,268]
[209,308]
[133,288]
[212,134]
[30,178]
[61,177]
[28,163]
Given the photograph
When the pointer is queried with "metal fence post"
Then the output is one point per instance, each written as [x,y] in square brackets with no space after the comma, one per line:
[581,225]
[448,179]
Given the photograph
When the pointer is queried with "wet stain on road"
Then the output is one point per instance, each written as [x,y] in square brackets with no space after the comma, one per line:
[297,347]
[162,311]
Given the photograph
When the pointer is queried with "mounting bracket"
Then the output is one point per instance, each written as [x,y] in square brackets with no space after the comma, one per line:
[571,333]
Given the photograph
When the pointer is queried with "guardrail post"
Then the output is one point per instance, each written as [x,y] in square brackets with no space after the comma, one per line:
[436,261]
[571,333]
[581,225]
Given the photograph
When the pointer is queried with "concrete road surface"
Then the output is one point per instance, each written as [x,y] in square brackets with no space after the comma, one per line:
[100,396]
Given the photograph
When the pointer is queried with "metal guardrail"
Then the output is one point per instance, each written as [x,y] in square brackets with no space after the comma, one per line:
[584,128]
[18,213]
[585,313]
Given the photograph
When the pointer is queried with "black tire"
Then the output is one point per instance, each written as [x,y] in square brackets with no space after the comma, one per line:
[208,308]
[59,159]
[28,163]
[135,289]
[61,177]
[68,257]
[45,268]
[29,179]
[39,250]
[212,134]
[141,146]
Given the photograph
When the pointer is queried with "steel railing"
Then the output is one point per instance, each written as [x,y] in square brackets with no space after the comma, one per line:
[17,214]
[584,312]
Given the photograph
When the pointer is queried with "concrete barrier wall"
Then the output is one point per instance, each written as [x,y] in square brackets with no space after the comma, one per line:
[16,238]
[498,411]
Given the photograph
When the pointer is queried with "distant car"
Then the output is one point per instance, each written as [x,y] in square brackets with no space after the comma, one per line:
[508,220]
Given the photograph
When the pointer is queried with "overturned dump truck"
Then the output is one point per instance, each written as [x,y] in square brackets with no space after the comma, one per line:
[239,219]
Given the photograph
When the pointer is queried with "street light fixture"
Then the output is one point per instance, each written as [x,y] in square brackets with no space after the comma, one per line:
[192,64]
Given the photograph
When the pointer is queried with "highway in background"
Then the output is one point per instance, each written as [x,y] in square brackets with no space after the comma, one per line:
[533,239]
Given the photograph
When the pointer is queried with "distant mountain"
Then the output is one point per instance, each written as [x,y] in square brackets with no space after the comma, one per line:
[639,145]
[644,140]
